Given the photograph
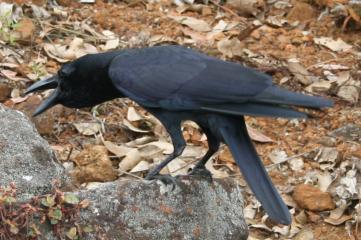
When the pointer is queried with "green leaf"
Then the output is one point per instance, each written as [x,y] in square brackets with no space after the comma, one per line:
[48,201]
[9,200]
[71,198]
[34,231]
[72,233]
[13,228]
[88,229]
[55,214]
[53,222]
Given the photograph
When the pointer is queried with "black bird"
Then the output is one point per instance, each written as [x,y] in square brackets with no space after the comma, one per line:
[175,83]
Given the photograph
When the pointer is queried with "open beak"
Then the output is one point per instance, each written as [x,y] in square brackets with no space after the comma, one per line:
[52,100]
[45,84]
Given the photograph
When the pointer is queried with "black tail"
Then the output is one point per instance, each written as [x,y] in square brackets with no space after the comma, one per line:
[254,172]
[255,109]
[277,95]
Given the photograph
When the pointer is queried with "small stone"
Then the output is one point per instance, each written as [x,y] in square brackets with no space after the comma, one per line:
[68,166]
[311,198]
[349,132]
[301,12]
[357,153]
[329,154]
[327,141]
[5,92]
[25,30]
[44,123]
[296,164]
[93,165]
[206,11]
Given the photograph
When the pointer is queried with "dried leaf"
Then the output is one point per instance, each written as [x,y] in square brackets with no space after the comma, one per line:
[176,167]
[230,47]
[119,151]
[257,135]
[132,158]
[305,234]
[301,73]
[284,231]
[324,181]
[149,151]
[338,212]
[62,53]
[277,156]
[167,148]
[336,222]
[133,128]
[215,173]
[87,129]
[335,45]
[321,86]
[195,24]
[249,212]
[141,167]
[133,115]
[112,41]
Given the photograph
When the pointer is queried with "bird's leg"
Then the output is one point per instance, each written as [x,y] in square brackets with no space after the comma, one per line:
[213,145]
[179,144]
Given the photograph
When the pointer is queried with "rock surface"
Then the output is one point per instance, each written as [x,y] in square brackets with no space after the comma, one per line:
[124,209]
[25,157]
[136,209]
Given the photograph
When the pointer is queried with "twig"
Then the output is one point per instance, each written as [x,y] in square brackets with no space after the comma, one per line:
[226,9]
[70,152]
[328,61]
[186,165]
[290,158]
[130,174]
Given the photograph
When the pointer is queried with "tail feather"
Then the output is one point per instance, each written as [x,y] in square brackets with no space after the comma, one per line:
[255,109]
[255,174]
[276,95]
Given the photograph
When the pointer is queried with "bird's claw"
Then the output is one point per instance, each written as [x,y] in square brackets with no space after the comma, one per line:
[202,172]
[165,179]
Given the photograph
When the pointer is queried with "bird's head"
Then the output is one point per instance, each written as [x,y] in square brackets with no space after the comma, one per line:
[82,83]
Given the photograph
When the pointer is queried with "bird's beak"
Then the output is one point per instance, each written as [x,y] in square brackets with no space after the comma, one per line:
[51,101]
[45,84]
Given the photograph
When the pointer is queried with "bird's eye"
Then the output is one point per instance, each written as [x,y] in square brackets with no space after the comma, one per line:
[61,73]
[66,71]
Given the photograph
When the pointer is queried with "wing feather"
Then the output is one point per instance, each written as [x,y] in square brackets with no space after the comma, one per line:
[176,77]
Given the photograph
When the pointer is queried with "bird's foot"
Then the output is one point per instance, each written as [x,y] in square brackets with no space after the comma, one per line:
[165,179]
[202,172]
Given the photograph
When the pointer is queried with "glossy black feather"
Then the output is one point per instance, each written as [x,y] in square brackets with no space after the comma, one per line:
[177,78]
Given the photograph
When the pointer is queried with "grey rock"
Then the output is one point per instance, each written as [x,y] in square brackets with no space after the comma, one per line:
[349,132]
[136,210]
[124,209]
[25,158]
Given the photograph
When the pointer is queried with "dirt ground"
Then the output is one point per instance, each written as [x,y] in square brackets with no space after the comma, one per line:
[307,46]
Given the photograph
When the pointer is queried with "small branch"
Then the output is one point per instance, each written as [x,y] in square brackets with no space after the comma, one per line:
[290,158]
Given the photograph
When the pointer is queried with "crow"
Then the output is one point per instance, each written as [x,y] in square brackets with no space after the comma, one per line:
[175,84]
